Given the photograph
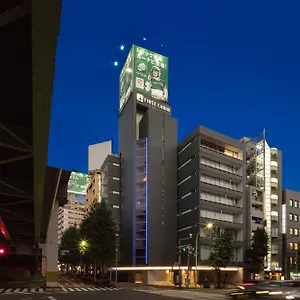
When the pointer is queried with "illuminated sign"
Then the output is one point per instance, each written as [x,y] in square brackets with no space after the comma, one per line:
[152,103]
[284,218]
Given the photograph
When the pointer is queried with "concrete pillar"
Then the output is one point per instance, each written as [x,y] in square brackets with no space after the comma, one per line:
[51,249]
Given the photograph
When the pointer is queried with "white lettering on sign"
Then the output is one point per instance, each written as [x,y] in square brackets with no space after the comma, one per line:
[142,99]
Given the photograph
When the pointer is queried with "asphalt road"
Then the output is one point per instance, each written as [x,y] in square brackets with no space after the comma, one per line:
[113,295]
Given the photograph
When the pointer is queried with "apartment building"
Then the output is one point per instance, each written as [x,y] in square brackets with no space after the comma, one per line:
[290,234]
[264,198]
[211,191]
[70,214]
[93,189]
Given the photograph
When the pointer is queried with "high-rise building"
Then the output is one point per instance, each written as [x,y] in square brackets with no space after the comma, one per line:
[211,192]
[148,154]
[93,189]
[264,198]
[290,234]
[72,213]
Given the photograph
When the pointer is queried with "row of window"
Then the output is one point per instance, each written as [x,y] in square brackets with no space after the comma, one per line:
[218,199]
[294,246]
[294,203]
[217,165]
[216,216]
[294,231]
[219,182]
[294,217]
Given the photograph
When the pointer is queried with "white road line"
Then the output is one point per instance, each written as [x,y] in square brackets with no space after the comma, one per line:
[32,290]
[70,289]
[51,298]
[91,289]
[8,290]
[1,290]
[97,289]
[25,290]
[70,282]
[84,289]
[41,290]
[17,290]
[78,290]
[65,290]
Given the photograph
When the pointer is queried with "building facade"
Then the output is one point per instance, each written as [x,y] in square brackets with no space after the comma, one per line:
[93,191]
[148,153]
[71,214]
[211,192]
[290,234]
[264,198]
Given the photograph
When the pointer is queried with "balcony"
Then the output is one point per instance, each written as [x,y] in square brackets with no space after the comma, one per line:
[274,182]
[274,165]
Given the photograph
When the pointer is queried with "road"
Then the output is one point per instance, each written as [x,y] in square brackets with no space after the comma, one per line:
[119,294]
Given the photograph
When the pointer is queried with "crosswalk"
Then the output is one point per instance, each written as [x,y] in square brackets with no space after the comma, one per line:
[63,290]
[185,294]
[89,289]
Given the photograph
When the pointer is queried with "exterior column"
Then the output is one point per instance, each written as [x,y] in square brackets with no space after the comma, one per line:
[51,248]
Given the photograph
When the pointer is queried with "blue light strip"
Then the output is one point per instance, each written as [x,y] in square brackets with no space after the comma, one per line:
[134,211]
[146,208]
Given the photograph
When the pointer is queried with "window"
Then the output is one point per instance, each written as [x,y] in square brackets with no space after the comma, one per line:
[296,231]
[296,204]
[291,246]
[291,231]
[296,246]
[291,203]
[291,217]
[296,218]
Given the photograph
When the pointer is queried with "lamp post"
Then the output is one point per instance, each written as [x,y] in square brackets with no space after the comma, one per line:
[208,226]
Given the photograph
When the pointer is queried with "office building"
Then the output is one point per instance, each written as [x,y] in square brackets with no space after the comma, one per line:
[110,188]
[71,214]
[264,198]
[74,211]
[211,192]
[93,194]
[290,234]
[148,155]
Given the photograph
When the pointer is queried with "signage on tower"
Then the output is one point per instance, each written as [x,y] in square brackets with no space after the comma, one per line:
[147,73]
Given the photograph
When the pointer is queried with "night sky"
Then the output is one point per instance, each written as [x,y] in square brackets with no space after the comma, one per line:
[234,66]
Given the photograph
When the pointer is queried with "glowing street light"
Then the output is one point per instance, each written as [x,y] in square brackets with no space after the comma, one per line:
[209,225]
[83,245]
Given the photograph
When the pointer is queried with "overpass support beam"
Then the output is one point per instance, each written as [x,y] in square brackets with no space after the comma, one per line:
[51,248]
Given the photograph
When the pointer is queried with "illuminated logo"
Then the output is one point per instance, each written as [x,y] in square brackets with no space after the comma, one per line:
[139,82]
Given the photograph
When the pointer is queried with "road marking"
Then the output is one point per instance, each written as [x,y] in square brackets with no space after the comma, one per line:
[1,290]
[25,290]
[97,289]
[51,298]
[70,289]
[32,290]
[64,289]
[90,289]
[84,289]
[17,290]
[78,290]
[41,290]
[8,291]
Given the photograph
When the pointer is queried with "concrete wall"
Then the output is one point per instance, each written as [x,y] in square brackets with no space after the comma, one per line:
[127,138]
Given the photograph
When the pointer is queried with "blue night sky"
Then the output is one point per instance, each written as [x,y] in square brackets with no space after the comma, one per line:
[233,67]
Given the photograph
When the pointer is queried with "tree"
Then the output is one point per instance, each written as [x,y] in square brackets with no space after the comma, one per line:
[68,249]
[99,230]
[221,254]
[258,251]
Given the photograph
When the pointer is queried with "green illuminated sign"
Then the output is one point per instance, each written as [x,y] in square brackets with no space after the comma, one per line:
[146,72]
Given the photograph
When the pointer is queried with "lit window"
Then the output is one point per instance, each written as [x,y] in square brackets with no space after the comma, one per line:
[291,231]
[291,203]
[296,246]
[296,204]
[291,246]
[291,260]
[296,218]
[291,217]
[296,232]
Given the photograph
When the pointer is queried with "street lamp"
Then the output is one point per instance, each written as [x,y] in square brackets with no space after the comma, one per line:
[208,226]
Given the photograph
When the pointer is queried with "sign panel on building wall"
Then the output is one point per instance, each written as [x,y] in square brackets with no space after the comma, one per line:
[284,218]
[78,183]
[147,73]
